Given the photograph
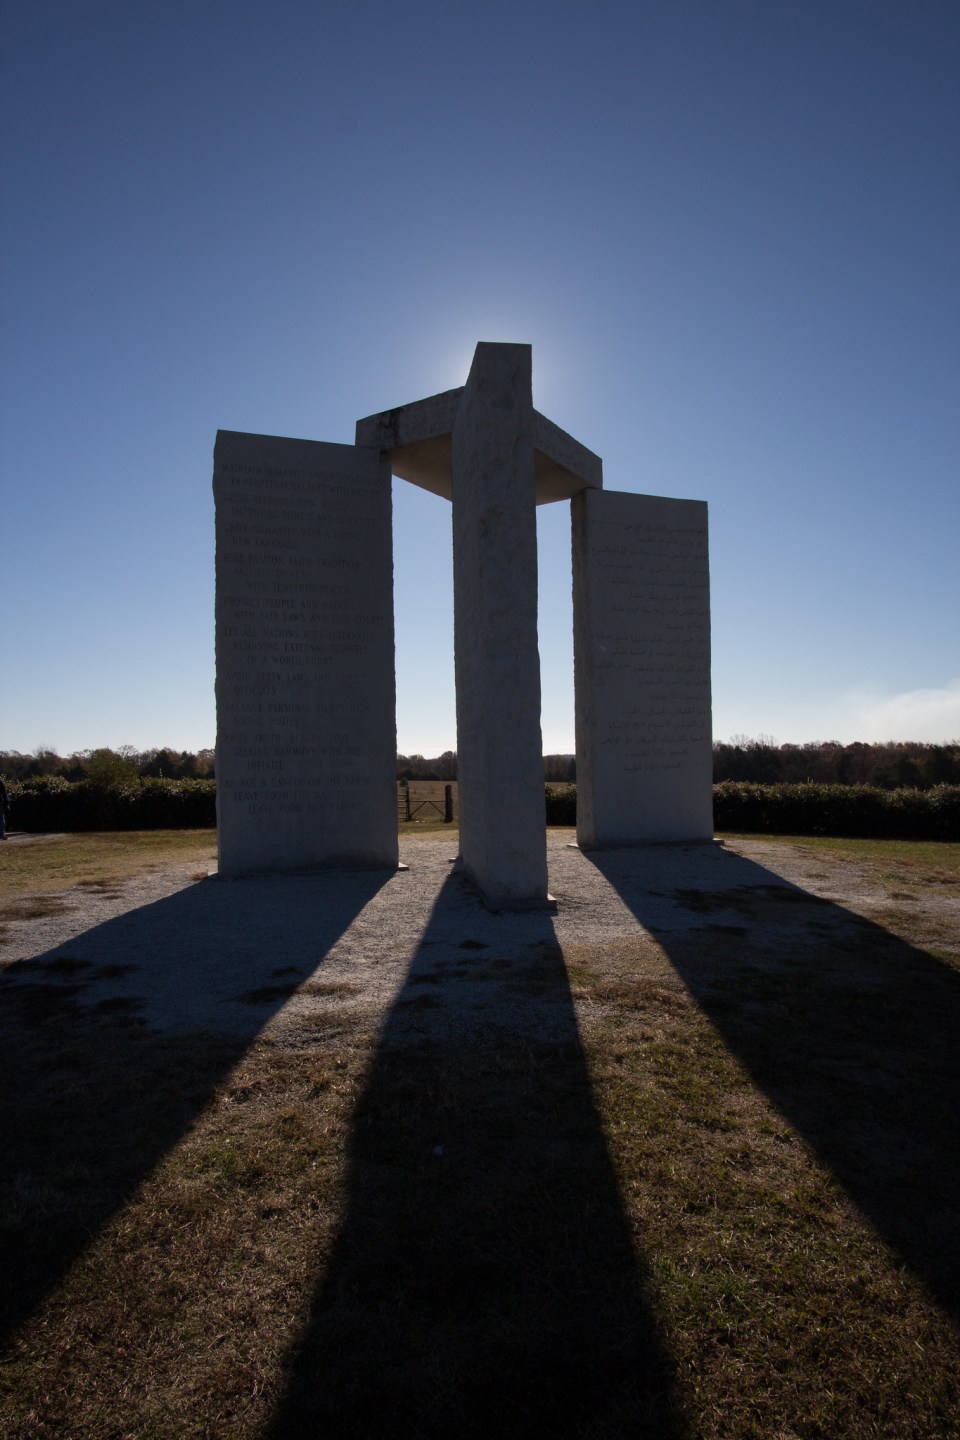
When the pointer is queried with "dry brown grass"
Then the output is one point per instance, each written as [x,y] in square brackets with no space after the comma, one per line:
[787,1313]
[909,873]
[28,907]
[36,874]
[924,862]
[52,864]
[719,1199]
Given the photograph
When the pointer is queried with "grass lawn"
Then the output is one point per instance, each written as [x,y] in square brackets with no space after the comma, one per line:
[50,864]
[914,858]
[720,1201]
[36,874]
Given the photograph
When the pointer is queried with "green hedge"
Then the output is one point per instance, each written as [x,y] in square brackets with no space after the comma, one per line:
[50,803]
[855,811]
[561,805]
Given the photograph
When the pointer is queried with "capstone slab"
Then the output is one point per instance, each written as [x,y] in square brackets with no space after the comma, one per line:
[562,465]
[419,440]
[641,606]
[306,742]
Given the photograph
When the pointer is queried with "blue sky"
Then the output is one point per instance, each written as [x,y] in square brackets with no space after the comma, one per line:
[729,229]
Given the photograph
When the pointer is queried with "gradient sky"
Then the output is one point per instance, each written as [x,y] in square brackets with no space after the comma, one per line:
[729,229]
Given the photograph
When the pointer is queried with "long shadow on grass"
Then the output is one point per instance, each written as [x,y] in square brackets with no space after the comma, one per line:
[849,1030]
[483,1282]
[91,1095]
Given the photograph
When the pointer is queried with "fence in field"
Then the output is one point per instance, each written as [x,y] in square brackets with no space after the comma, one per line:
[428,800]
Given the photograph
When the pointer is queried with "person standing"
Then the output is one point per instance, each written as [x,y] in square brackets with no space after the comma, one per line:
[4,807]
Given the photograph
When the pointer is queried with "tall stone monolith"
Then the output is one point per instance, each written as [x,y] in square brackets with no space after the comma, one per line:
[306,742]
[641,612]
[499,747]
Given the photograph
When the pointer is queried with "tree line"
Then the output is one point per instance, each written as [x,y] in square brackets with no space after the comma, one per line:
[109,767]
[557,769]
[892,765]
[127,765]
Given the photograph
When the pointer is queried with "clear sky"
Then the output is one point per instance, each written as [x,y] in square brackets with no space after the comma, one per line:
[729,229]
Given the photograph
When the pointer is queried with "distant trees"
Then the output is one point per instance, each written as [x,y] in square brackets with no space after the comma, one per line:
[178,765]
[559,768]
[556,768]
[109,767]
[415,767]
[890,766]
[906,764]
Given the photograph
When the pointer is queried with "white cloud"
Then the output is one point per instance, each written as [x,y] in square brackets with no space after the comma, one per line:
[931,715]
[866,713]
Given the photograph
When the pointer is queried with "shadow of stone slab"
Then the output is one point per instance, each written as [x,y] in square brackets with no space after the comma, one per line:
[113,1043]
[484,1280]
[848,1029]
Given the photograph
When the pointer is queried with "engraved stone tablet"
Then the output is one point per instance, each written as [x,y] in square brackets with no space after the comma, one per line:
[641,597]
[306,742]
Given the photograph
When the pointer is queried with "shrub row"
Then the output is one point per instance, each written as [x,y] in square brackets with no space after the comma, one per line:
[854,811]
[561,805]
[51,803]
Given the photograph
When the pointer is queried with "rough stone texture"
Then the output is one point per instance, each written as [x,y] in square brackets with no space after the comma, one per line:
[419,440]
[306,743]
[563,466]
[641,605]
[500,766]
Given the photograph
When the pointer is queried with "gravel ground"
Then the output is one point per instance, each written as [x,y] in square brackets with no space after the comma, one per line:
[180,953]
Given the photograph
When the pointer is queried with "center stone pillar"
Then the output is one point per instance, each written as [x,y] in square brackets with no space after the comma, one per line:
[499,745]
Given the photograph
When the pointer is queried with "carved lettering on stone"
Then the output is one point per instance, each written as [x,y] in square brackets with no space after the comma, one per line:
[306,741]
[642,668]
